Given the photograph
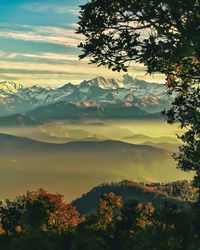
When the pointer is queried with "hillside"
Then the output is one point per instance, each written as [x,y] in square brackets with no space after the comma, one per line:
[176,192]
[87,162]
[76,112]
[64,110]
[8,142]
[169,143]
[18,121]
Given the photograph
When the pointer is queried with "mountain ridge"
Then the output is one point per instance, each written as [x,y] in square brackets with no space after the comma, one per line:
[7,140]
[89,162]
[156,193]
[129,91]
[64,111]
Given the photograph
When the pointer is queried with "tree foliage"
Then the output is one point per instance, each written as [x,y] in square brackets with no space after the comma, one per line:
[156,33]
[38,211]
[164,36]
[114,225]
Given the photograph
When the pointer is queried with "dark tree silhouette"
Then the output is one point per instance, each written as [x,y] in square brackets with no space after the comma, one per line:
[164,36]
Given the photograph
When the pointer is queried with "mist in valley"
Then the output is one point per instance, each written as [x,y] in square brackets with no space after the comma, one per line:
[92,152]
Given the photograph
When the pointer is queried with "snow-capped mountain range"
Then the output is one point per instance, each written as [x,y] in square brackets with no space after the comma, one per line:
[127,92]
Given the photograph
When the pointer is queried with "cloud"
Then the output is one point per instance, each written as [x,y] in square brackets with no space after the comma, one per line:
[60,72]
[59,68]
[35,66]
[61,9]
[51,56]
[73,25]
[45,34]
[2,53]
[29,36]
[53,30]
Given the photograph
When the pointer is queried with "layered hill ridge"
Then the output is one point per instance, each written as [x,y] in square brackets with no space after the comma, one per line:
[64,111]
[8,142]
[27,163]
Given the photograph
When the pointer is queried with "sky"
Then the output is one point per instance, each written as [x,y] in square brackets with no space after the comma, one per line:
[38,45]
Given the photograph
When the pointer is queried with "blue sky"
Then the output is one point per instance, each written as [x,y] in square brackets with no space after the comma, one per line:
[38,44]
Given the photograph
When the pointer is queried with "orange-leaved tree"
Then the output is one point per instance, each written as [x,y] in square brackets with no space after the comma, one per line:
[40,211]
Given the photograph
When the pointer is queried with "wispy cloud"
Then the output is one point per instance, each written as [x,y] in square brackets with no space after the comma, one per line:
[59,67]
[28,73]
[51,56]
[73,25]
[60,72]
[45,34]
[2,53]
[61,9]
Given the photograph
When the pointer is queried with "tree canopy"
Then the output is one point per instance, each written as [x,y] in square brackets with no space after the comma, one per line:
[164,36]
[43,221]
[38,210]
[158,33]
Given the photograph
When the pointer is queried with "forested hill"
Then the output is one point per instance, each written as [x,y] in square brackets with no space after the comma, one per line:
[179,192]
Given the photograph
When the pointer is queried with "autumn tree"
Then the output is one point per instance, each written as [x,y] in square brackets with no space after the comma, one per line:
[98,230]
[107,209]
[38,211]
[54,214]
[164,36]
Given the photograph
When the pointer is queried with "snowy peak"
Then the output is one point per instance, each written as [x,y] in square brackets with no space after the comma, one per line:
[127,79]
[35,87]
[98,92]
[127,82]
[101,82]
[10,87]
[68,86]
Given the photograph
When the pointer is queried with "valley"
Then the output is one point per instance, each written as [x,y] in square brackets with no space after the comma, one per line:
[75,137]
[72,158]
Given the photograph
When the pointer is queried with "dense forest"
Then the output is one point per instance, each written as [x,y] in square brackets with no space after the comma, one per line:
[41,220]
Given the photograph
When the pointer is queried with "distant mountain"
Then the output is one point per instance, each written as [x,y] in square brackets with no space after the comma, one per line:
[8,142]
[140,138]
[168,143]
[145,161]
[10,87]
[64,110]
[165,145]
[157,194]
[29,164]
[18,121]
[80,111]
[101,82]
[128,91]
